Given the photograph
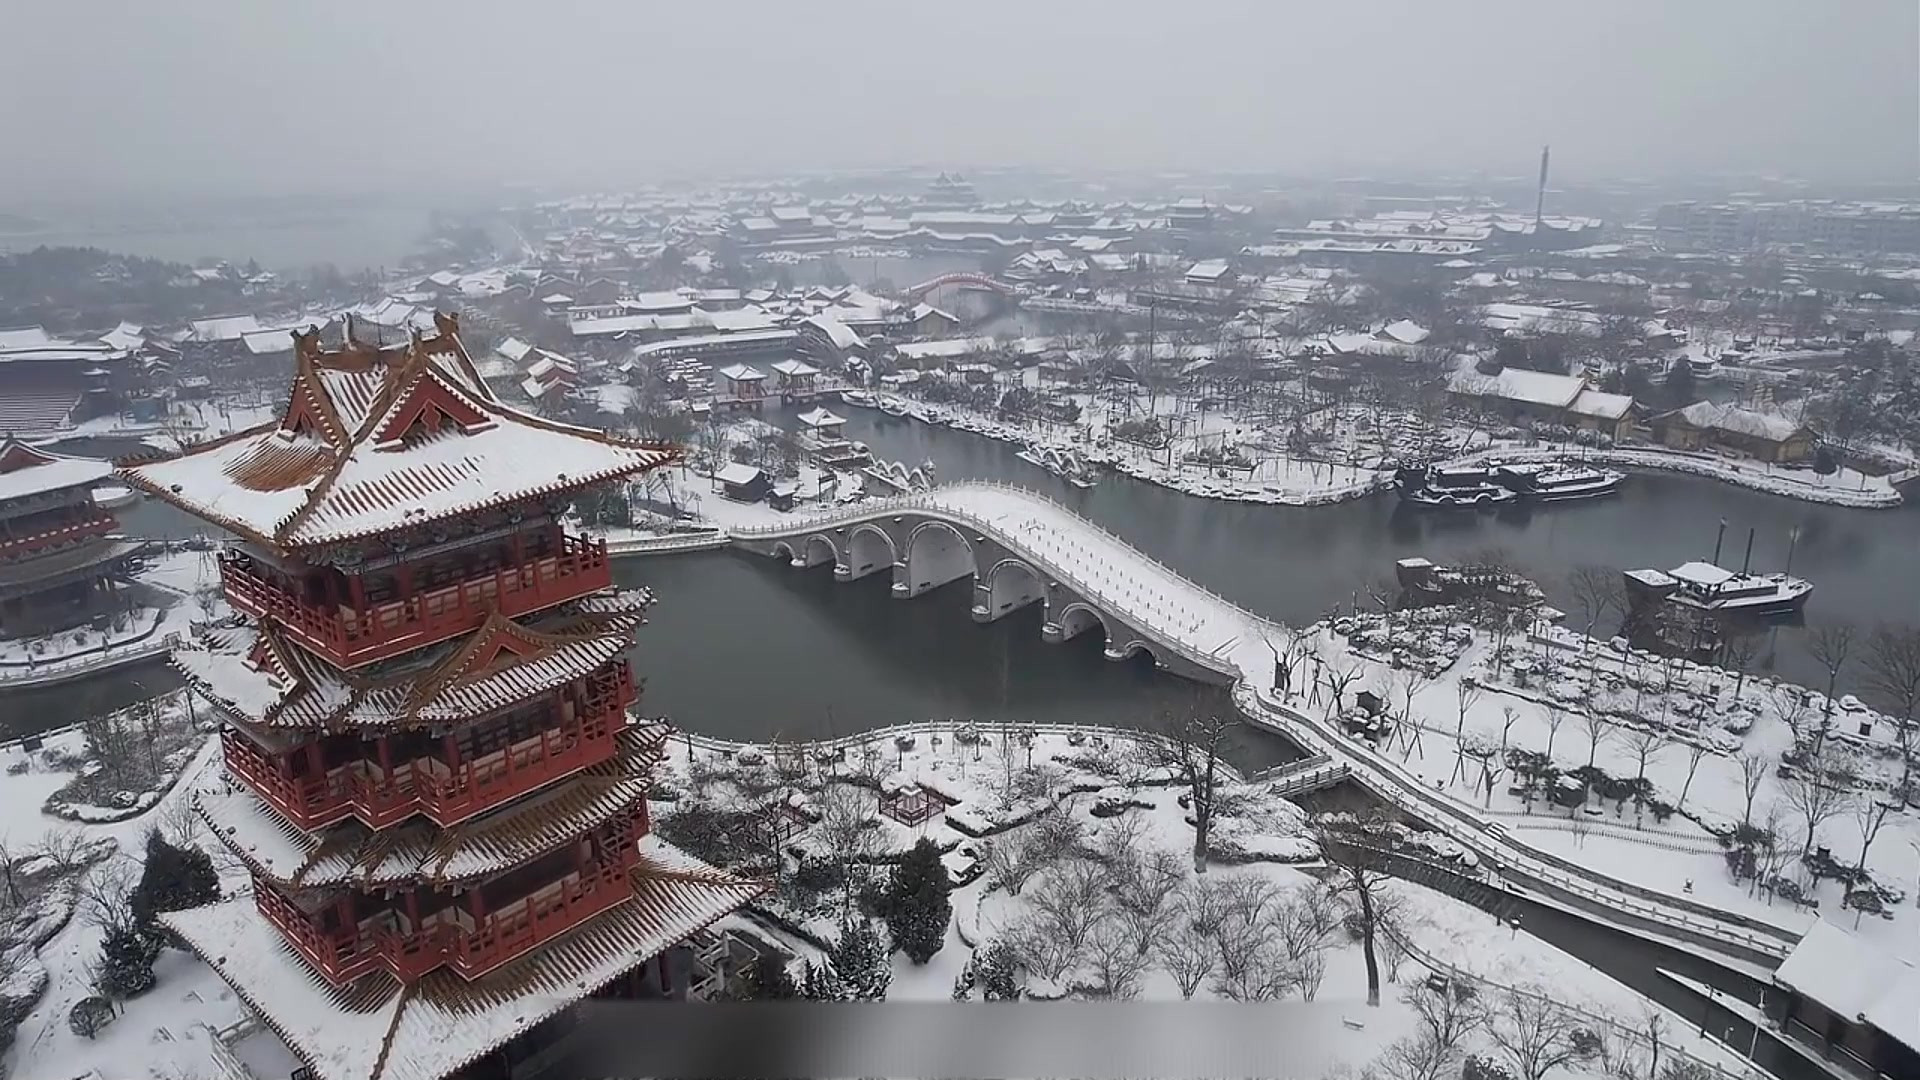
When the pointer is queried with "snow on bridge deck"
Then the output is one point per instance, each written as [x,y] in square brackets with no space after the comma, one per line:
[1105,570]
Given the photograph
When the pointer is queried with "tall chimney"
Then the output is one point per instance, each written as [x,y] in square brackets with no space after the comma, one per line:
[1540,200]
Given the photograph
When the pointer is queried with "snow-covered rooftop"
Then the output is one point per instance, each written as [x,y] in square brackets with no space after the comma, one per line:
[1518,384]
[1858,980]
[821,418]
[376,439]
[1599,405]
[27,470]
[737,474]
[1714,416]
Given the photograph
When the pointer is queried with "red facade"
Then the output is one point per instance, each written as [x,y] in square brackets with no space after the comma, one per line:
[435,699]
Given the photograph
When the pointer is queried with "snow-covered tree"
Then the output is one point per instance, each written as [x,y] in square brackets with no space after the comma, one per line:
[996,972]
[861,963]
[172,879]
[126,963]
[822,983]
[1535,1035]
[89,1015]
[918,906]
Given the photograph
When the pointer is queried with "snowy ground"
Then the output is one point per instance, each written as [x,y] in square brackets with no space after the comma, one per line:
[991,779]
[1679,855]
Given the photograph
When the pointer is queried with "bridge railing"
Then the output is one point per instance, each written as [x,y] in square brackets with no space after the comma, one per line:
[934,501]
[1167,636]
[1465,824]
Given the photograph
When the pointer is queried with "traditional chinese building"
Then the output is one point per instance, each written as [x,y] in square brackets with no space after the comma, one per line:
[434,780]
[59,548]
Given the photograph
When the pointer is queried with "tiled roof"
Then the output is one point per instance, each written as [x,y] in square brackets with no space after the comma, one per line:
[350,854]
[377,1029]
[379,438]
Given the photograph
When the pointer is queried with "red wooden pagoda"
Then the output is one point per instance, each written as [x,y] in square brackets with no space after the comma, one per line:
[439,792]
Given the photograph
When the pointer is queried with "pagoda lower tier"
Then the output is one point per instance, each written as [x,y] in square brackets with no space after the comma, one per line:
[380,1028]
[410,899]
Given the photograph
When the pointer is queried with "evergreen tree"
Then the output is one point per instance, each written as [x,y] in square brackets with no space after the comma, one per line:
[918,906]
[1679,385]
[767,979]
[126,963]
[861,964]
[993,969]
[822,983]
[173,879]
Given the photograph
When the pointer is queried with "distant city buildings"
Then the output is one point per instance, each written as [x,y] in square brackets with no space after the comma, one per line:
[1837,227]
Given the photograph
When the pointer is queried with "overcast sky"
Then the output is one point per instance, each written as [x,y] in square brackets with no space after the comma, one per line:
[269,96]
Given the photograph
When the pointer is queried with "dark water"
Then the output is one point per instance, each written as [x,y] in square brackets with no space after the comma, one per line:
[1297,563]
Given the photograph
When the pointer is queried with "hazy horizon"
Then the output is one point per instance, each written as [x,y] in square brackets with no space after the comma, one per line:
[224,98]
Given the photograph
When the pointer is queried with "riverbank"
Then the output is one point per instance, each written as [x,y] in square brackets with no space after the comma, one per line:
[1843,488]
[1280,481]
[1286,480]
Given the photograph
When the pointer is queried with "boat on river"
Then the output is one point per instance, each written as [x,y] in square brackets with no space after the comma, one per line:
[1558,482]
[1453,486]
[862,398]
[894,407]
[1708,587]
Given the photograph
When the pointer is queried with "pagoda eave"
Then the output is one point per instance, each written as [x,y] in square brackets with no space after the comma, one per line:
[378,1029]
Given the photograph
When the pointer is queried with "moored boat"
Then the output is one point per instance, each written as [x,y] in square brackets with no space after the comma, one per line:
[1452,486]
[1557,482]
[1709,587]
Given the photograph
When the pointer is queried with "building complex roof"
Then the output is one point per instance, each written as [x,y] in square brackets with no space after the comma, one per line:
[1858,981]
[375,439]
[27,470]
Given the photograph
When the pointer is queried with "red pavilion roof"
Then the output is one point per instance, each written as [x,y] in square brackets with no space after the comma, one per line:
[375,439]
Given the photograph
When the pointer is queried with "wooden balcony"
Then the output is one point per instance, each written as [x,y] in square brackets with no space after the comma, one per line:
[25,539]
[447,793]
[352,638]
[472,946]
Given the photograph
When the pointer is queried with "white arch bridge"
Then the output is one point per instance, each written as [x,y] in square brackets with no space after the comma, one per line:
[1021,548]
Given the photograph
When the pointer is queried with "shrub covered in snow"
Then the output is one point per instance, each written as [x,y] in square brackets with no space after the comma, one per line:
[89,1015]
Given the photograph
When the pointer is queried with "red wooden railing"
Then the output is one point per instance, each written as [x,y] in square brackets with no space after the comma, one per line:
[98,523]
[351,638]
[347,954]
[360,789]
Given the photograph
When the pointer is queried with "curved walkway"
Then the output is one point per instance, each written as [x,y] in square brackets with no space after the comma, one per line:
[1225,638]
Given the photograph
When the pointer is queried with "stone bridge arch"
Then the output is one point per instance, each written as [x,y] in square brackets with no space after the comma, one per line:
[870,549]
[816,550]
[935,553]
[1009,584]
[1075,619]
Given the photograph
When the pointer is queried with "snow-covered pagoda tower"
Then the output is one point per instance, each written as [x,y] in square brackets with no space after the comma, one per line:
[433,777]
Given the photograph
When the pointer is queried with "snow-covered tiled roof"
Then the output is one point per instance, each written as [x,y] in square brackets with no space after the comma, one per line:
[224,328]
[1857,980]
[352,854]
[742,373]
[1518,384]
[27,470]
[354,456]
[1713,416]
[378,1030]
[793,369]
[1603,406]
[821,418]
